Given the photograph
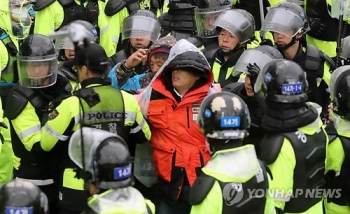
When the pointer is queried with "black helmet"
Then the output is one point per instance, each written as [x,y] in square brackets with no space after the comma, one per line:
[206,12]
[107,158]
[339,88]
[287,18]
[22,195]
[282,81]
[141,24]
[224,115]
[37,62]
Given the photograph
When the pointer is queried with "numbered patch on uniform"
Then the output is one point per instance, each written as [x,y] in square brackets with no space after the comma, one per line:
[18,210]
[53,114]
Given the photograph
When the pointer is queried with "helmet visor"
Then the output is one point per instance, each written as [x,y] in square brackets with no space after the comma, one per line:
[21,20]
[251,56]
[283,21]
[345,52]
[205,21]
[37,72]
[141,27]
[335,77]
[64,43]
[241,28]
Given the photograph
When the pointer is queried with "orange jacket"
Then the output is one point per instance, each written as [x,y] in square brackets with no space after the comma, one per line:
[177,140]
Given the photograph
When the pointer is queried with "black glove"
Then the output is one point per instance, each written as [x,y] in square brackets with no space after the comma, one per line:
[253,72]
[266,42]
[316,25]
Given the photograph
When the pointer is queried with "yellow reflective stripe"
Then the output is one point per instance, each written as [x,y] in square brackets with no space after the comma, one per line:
[44,182]
[138,128]
[104,30]
[54,133]
[69,180]
[326,73]
[216,71]
[29,131]
[130,116]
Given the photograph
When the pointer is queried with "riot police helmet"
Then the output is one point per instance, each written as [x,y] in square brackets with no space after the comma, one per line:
[37,62]
[22,196]
[224,115]
[282,81]
[107,161]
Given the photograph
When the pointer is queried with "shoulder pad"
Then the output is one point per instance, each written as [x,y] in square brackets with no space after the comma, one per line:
[313,59]
[15,104]
[328,59]
[210,54]
[66,2]
[42,4]
[89,95]
[201,188]
[195,41]
[270,147]
[114,6]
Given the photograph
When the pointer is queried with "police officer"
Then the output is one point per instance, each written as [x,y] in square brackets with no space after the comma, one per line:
[289,39]
[108,172]
[102,107]
[233,39]
[66,52]
[8,52]
[179,20]
[116,11]
[206,12]
[337,167]
[224,119]
[249,63]
[295,143]
[324,28]
[140,30]
[21,196]
[27,107]
[51,15]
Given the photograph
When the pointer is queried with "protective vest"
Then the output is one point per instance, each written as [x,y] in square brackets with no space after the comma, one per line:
[33,165]
[97,202]
[341,181]
[255,205]
[310,156]
[8,76]
[311,60]
[111,119]
[73,11]
[180,17]
[320,9]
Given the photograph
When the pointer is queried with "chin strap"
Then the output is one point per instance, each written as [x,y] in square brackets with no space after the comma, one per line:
[286,46]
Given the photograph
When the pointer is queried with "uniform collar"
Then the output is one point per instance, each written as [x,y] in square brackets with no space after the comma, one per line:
[96,80]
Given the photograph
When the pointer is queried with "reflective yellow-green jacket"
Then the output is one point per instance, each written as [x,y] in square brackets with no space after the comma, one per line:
[50,19]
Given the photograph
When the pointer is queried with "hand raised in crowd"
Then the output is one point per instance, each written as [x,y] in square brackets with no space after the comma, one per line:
[136,58]
[253,71]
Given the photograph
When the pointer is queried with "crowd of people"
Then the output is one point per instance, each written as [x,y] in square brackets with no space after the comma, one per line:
[174,107]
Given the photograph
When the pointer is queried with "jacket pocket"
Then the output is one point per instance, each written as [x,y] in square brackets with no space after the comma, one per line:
[158,117]
[163,161]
